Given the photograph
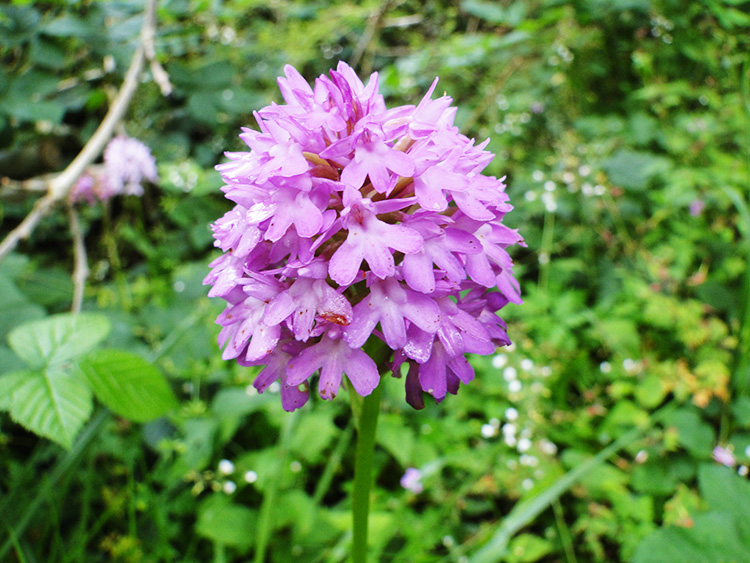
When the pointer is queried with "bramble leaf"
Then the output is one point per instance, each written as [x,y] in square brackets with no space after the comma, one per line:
[128,385]
[52,403]
[58,339]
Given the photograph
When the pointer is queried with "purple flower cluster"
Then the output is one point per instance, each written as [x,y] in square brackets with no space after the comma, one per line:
[352,222]
[127,163]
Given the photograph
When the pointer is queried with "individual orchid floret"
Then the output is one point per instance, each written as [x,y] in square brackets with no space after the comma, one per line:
[356,226]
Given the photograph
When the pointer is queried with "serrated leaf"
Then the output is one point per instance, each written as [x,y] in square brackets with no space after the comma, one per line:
[53,404]
[8,384]
[128,385]
[58,339]
[51,286]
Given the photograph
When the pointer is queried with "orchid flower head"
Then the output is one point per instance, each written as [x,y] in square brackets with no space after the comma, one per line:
[351,223]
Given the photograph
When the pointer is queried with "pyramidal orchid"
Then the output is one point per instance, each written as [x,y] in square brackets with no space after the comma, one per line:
[355,222]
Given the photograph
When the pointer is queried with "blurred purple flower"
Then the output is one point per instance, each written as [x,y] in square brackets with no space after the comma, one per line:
[127,163]
[84,189]
[412,480]
[696,207]
[355,222]
[724,456]
[537,107]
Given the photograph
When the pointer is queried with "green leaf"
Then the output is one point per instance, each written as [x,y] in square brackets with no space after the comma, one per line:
[128,385]
[48,287]
[235,402]
[58,339]
[724,490]
[527,548]
[34,111]
[396,438]
[312,437]
[712,539]
[693,434]
[719,536]
[225,523]
[624,414]
[52,403]
[741,411]
[67,26]
[16,308]
[294,508]
[488,11]
[633,169]
[660,475]
[8,384]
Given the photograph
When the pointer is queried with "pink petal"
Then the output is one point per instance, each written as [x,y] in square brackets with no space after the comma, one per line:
[345,262]
[362,372]
[419,273]
[403,239]
[330,375]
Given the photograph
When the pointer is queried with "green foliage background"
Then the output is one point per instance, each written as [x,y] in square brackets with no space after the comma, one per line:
[609,118]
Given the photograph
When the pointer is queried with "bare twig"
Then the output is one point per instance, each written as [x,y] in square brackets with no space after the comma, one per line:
[147,40]
[60,185]
[374,22]
[81,267]
[403,21]
[11,187]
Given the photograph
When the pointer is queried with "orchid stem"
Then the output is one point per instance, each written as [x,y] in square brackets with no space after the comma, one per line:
[363,460]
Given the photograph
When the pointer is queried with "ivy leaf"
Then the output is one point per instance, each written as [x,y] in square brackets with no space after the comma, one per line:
[52,403]
[128,385]
[58,339]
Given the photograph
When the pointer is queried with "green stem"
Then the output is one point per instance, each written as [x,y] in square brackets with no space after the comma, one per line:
[547,239]
[364,454]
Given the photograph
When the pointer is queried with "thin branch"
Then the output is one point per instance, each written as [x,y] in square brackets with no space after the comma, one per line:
[60,185]
[374,22]
[81,268]
[147,40]
[10,187]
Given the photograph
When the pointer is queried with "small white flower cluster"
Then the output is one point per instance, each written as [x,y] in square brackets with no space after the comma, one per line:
[221,480]
[574,181]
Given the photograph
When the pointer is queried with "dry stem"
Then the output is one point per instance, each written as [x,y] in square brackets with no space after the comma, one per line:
[60,185]
[81,268]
